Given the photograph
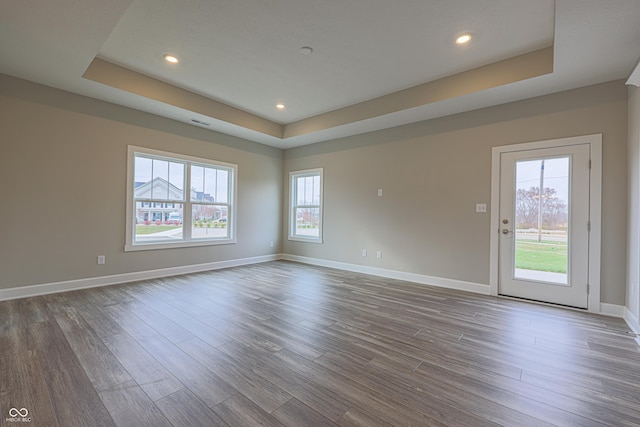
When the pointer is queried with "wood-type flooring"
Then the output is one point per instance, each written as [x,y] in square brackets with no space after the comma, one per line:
[286,344]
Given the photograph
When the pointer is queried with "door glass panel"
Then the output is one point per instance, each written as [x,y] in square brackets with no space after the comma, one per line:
[542,220]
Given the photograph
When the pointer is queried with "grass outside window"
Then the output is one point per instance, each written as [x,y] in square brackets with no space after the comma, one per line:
[548,256]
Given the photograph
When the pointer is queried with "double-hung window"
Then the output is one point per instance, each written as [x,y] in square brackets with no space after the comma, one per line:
[175,200]
[305,195]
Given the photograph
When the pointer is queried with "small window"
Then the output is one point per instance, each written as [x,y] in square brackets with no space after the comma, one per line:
[175,200]
[305,194]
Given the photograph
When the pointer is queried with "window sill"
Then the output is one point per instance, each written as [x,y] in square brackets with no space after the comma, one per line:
[190,244]
[306,240]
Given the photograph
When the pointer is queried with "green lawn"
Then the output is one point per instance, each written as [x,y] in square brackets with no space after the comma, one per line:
[150,229]
[541,256]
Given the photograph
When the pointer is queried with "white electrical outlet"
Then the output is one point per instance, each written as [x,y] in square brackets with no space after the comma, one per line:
[101,260]
[379,192]
[271,244]
[379,254]
[364,252]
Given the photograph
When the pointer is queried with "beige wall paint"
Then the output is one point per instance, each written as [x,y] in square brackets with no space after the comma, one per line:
[63,169]
[63,160]
[434,172]
[633,251]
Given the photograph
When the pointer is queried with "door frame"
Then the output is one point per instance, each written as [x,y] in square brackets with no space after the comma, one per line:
[595,209]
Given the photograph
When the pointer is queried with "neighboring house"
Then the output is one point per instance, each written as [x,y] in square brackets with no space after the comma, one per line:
[151,207]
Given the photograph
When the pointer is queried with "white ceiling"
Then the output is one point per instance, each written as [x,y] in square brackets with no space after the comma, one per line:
[374,64]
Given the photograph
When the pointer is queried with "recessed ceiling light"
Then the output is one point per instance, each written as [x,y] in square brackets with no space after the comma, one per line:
[281,106]
[172,59]
[463,38]
[306,50]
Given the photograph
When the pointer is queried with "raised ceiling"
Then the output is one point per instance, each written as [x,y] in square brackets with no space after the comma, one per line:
[375,64]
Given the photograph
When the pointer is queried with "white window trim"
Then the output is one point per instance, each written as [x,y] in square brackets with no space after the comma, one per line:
[292,176]
[130,244]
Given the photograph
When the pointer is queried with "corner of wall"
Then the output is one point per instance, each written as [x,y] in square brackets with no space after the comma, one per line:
[632,306]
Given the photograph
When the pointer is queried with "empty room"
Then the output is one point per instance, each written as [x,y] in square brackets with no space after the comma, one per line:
[298,213]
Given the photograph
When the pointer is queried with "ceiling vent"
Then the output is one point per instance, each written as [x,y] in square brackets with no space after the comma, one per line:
[201,123]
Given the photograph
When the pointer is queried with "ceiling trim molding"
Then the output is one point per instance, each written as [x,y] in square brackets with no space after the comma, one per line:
[518,68]
[515,69]
[119,77]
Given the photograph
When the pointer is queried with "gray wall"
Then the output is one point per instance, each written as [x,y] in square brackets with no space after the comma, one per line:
[434,172]
[63,169]
[63,174]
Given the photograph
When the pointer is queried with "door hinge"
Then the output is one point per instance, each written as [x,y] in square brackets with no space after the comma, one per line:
[588,288]
[589,164]
[588,225]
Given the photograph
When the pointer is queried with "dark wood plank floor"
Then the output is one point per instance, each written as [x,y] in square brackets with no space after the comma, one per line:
[287,344]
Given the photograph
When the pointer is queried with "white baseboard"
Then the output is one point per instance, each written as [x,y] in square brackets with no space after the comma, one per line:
[606,309]
[612,310]
[633,322]
[461,285]
[92,282]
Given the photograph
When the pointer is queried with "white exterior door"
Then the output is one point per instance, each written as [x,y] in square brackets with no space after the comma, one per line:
[544,225]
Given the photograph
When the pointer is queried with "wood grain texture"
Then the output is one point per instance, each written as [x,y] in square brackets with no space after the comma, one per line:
[295,413]
[152,377]
[74,398]
[183,408]
[23,385]
[284,344]
[240,411]
[130,406]
[263,393]
[210,388]
[102,368]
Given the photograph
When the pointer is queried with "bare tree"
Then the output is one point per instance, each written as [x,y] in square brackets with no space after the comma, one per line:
[554,210]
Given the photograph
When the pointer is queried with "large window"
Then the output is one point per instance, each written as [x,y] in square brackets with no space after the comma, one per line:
[305,195]
[175,200]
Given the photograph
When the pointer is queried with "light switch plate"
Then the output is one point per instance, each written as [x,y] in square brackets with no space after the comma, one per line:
[481,207]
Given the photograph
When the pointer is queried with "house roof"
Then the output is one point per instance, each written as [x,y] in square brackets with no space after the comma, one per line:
[373,64]
[142,190]
[145,190]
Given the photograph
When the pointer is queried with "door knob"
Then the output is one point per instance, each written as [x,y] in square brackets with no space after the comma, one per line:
[506,231]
